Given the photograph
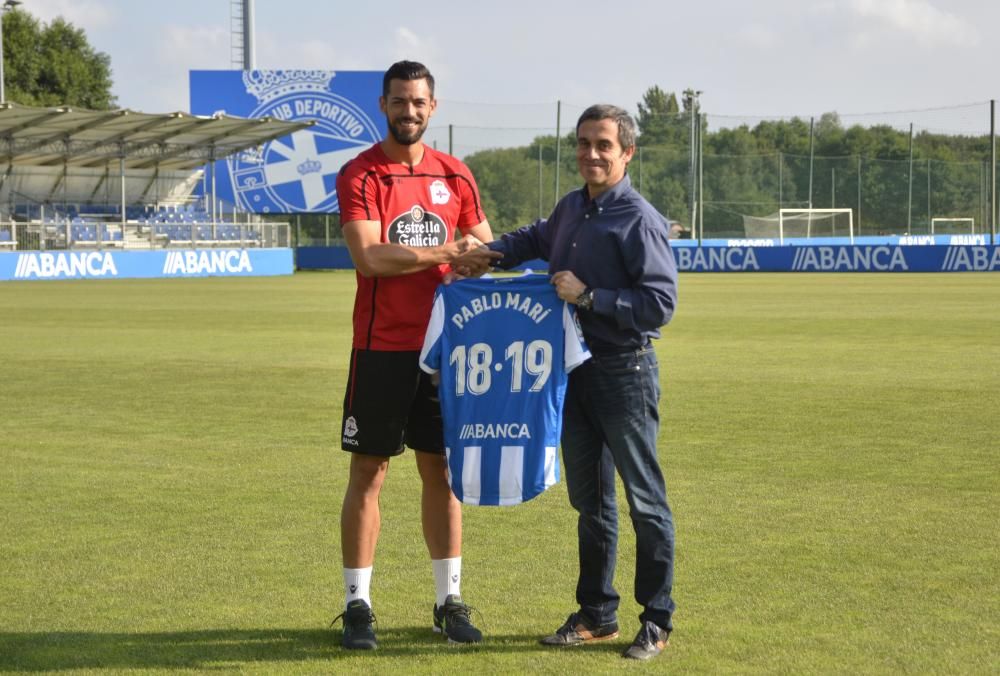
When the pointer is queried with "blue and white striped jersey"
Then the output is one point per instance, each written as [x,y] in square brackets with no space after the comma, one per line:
[504,347]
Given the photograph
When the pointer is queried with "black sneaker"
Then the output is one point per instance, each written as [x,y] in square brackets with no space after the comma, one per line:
[358,620]
[648,643]
[453,619]
[578,629]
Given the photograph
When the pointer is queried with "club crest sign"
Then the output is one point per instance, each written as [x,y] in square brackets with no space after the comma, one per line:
[297,173]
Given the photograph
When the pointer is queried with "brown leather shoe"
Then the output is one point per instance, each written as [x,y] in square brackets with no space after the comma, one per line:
[578,630]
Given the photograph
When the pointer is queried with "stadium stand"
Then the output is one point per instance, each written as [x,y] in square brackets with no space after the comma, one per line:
[151,170]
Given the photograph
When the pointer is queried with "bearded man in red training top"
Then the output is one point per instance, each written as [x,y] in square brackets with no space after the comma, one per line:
[408,213]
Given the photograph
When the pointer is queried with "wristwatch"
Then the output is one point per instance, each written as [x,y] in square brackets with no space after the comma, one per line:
[585,301]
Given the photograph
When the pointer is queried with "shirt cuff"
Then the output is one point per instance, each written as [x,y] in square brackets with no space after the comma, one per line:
[496,245]
[604,302]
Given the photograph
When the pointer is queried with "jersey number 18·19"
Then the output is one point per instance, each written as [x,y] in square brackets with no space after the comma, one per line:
[472,366]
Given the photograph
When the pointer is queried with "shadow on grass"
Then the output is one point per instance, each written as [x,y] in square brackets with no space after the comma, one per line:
[50,651]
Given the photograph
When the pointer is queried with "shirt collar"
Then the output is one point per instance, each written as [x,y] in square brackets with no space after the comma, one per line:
[609,195]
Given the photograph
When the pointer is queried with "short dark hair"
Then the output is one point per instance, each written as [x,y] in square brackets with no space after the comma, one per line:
[407,70]
[605,111]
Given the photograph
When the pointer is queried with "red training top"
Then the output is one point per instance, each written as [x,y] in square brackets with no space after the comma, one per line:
[418,206]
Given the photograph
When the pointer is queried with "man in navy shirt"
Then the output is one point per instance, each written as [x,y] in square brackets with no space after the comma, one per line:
[608,253]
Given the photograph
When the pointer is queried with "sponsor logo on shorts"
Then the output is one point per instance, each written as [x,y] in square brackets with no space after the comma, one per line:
[350,427]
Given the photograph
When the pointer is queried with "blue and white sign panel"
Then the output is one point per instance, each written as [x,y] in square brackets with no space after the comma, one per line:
[145,264]
[297,173]
[884,258]
[893,240]
[715,258]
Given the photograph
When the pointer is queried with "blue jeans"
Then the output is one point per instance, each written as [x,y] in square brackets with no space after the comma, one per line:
[610,421]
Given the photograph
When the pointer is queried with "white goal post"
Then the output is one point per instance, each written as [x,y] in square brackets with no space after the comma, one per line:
[815,222]
[960,226]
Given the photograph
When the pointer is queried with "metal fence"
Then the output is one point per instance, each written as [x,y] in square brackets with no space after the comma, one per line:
[36,236]
[901,172]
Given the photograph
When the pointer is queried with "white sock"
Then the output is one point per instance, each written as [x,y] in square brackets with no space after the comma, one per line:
[357,585]
[447,577]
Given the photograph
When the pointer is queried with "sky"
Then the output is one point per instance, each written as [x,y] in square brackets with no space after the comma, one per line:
[506,64]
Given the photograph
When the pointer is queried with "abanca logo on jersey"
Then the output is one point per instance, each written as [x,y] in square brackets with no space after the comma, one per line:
[494,431]
[418,228]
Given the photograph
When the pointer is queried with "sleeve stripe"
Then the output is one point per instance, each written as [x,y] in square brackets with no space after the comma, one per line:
[475,195]
[364,186]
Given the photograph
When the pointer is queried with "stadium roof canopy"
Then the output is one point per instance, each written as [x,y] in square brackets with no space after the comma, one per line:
[90,138]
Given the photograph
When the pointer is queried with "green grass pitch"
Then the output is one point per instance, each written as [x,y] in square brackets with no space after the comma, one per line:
[170,485]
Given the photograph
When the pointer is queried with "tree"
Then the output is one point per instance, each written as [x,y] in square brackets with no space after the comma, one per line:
[508,186]
[52,65]
[660,121]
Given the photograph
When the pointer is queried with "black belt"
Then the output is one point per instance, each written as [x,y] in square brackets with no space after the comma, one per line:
[616,350]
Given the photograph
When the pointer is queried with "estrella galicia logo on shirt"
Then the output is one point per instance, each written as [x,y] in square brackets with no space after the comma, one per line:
[418,228]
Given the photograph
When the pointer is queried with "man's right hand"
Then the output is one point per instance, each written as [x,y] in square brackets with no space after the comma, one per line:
[474,257]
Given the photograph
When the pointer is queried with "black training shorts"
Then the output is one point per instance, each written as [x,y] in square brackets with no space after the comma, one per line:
[390,402]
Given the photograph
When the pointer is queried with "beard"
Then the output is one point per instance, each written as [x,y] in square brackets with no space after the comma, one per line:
[403,137]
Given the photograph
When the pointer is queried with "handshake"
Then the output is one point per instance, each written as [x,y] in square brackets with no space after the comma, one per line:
[472,258]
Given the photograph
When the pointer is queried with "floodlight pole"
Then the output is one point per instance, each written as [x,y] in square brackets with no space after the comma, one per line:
[812,126]
[121,173]
[555,196]
[249,49]
[639,149]
[812,130]
[211,153]
[909,193]
[692,157]
[993,171]
[540,186]
[781,194]
[859,194]
[701,179]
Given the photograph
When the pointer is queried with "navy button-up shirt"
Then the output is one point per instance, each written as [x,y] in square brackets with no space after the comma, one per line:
[618,246]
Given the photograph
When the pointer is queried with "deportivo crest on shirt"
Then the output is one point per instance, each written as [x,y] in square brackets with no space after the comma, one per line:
[439,192]
[418,228]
